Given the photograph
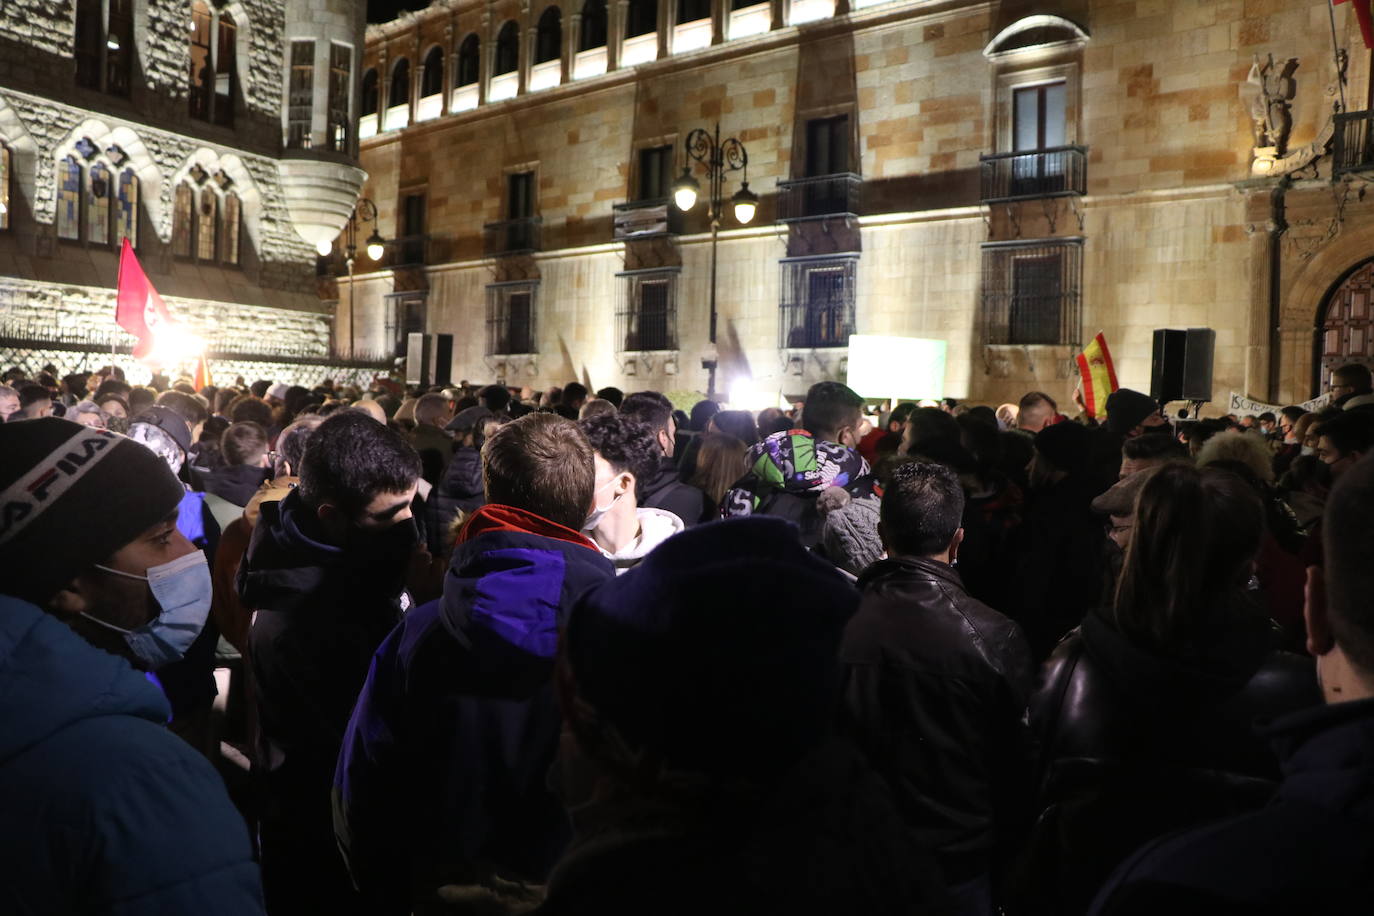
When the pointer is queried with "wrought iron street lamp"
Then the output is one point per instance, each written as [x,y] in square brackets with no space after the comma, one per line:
[719,157]
[364,211]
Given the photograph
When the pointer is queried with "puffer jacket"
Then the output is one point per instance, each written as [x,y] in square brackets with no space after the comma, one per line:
[1133,745]
[935,693]
[460,491]
[105,811]
[788,471]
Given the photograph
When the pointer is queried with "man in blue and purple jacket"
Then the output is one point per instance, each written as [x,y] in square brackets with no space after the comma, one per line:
[442,786]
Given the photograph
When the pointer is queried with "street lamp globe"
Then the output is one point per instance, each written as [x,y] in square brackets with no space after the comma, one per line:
[376,246]
[746,203]
[685,190]
[323,247]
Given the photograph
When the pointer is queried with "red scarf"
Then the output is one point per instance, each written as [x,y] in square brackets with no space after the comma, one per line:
[495,517]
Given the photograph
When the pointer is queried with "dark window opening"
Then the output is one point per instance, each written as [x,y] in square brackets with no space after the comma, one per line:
[399,92]
[818,302]
[827,146]
[548,37]
[1031,293]
[692,10]
[300,95]
[340,70]
[412,223]
[370,99]
[642,18]
[432,81]
[655,172]
[593,26]
[507,49]
[469,61]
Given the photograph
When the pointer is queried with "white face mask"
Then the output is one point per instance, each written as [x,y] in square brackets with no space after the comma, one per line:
[1308,450]
[182,589]
[598,513]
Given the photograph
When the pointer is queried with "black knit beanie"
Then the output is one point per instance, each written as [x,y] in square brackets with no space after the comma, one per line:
[1127,408]
[70,496]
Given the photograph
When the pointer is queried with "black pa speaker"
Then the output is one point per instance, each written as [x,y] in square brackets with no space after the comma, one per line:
[443,359]
[1181,364]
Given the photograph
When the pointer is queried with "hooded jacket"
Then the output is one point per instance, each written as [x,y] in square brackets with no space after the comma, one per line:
[936,684]
[665,490]
[655,527]
[446,759]
[105,810]
[788,471]
[1135,744]
[1308,851]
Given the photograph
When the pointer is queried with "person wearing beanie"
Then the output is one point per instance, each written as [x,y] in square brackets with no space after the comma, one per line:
[1059,544]
[1131,413]
[441,790]
[106,810]
[325,575]
[626,452]
[850,537]
[702,769]
[936,684]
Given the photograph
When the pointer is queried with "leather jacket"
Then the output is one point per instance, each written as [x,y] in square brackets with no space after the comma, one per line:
[935,687]
[1133,744]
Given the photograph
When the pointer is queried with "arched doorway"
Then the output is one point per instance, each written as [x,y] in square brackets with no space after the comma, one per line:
[1345,325]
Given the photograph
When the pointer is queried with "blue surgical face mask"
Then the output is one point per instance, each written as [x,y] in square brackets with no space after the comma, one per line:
[182,589]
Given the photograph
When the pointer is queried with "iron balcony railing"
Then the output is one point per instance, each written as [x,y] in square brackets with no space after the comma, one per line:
[511,314]
[512,236]
[646,319]
[1354,148]
[819,197]
[818,302]
[1032,292]
[408,250]
[1054,172]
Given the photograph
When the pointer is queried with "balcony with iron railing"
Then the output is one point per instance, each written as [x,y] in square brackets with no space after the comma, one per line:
[1354,143]
[408,250]
[819,197]
[1056,172]
[511,236]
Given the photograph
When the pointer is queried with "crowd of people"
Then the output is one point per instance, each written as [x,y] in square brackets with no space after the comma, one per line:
[474,649]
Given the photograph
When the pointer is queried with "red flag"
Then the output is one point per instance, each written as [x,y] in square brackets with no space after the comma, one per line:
[139,309]
[202,373]
[1363,13]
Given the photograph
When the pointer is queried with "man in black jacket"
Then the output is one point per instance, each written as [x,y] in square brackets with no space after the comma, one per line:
[325,574]
[666,490]
[936,685]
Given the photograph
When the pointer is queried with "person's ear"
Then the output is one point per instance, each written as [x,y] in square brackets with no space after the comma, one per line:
[954,544]
[1319,639]
[69,603]
[626,483]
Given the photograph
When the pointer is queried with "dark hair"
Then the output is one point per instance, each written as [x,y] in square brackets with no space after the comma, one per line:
[1349,431]
[142,396]
[574,392]
[494,397]
[921,509]
[614,395]
[1293,412]
[543,464]
[737,423]
[1267,415]
[1152,446]
[650,408]
[926,425]
[773,420]
[982,440]
[187,406]
[248,408]
[32,394]
[350,459]
[291,443]
[259,388]
[1033,399]
[1348,540]
[224,397]
[112,386]
[1355,375]
[702,412]
[902,412]
[243,443]
[111,396]
[829,408]
[213,429]
[626,445]
[1197,531]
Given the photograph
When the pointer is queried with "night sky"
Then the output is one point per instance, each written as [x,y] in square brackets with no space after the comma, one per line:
[386,10]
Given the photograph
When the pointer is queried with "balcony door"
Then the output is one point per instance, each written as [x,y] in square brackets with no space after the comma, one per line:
[1038,124]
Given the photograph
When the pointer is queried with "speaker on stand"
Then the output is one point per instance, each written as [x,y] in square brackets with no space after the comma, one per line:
[1181,366]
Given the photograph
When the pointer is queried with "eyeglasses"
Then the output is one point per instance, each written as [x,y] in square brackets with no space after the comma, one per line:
[1114,530]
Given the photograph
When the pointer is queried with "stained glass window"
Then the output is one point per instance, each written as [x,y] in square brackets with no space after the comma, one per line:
[229,236]
[126,213]
[202,63]
[207,225]
[98,206]
[183,219]
[4,187]
[69,199]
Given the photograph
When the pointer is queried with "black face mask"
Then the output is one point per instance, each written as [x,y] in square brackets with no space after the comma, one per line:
[383,555]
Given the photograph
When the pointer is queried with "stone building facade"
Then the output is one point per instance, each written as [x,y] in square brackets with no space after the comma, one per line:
[1009,177]
[220,139]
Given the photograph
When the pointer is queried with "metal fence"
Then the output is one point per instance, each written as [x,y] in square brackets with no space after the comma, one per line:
[511,310]
[646,318]
[1032,292]
[1053,172]
[820,196]
[1354,148]
[818,298]
[512,236]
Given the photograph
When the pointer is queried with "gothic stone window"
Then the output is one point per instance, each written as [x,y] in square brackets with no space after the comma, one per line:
[207,218]
[97,196]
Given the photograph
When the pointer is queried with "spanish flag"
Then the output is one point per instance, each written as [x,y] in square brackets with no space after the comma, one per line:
[1098,374]
[202,373]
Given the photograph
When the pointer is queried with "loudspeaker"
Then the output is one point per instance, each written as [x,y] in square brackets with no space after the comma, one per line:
[443,359]
[417,359]
[1181,364]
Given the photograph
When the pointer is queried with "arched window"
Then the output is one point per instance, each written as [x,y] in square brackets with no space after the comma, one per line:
[207,225]
[469,61]
[183,220]
[593,25]
[399,94]
[642,18]
[104,45]
[229,230]
[213,71]
[432,80]
[4,186]
[98,206]
[369,100]
[126,209]
[548,39]
[507,49]
[70,177]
